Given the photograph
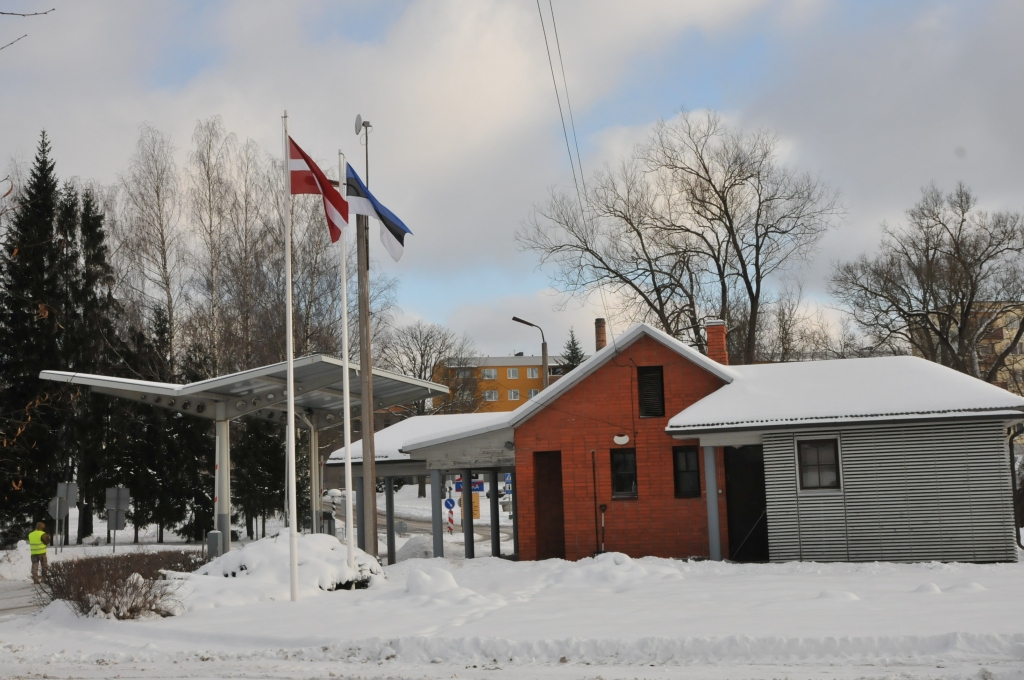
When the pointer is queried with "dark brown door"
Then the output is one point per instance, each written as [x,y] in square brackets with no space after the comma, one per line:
[547,470]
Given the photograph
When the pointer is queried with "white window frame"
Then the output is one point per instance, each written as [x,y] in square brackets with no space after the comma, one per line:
[533,373]
[489,374]
[532,393]
[487,394]
[839,464]
[513,373]
[513,395]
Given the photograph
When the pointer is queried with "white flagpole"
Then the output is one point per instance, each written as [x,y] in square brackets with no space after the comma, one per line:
[293,529]
[349,534]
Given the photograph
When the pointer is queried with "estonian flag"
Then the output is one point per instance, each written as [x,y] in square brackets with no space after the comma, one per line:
[362,202]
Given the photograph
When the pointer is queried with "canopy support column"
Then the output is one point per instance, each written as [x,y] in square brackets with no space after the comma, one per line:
[436,518]
[467,513]
[223,448]
[515,517]
[314,479]
[389,516]
[711,486]
[492,482]
[360,514]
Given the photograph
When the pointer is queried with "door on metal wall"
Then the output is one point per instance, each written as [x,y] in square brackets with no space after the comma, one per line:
[547,471]
[746,504]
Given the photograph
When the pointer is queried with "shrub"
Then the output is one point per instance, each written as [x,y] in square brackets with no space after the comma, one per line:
[119,586]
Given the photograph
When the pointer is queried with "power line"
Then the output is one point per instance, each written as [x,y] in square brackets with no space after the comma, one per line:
[565,133]
[561,116]
[565,86]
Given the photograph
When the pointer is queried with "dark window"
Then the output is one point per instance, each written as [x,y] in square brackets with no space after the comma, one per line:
[819,464]
[623,473]
[650,383]
[686,466]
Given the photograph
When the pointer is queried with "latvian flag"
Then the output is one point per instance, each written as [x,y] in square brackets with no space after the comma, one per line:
[307,178]
[362,202]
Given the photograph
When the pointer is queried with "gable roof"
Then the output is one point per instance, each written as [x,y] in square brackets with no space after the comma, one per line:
[570,380]
[765,396]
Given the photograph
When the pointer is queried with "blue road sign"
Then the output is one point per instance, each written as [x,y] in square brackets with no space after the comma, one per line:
[449,503]
[478,485]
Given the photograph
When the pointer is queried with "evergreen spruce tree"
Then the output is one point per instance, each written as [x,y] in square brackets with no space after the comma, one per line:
[33,459]
[572,353]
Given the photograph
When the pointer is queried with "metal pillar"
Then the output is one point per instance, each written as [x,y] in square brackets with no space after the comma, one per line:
[711,487]
[314,479]
[436,517]
[369,537]
[360,515]
[223,446]
[389,516]
[515,517]
[467,513]
[492,478]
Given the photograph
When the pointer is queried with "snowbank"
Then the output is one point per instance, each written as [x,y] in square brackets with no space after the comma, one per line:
[16,565]
[260,572]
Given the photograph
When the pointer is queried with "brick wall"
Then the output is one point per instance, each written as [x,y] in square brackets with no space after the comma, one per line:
[584,420]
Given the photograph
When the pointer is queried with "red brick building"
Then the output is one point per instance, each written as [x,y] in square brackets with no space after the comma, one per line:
[651,448]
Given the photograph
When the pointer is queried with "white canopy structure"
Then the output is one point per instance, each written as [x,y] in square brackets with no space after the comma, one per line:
[260,393]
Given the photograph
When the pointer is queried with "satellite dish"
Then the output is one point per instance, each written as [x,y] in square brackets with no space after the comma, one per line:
[359,124]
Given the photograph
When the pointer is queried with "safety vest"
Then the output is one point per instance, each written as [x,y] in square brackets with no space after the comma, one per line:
[35,542]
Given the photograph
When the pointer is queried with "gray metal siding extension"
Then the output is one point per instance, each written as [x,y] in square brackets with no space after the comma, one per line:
[909,493]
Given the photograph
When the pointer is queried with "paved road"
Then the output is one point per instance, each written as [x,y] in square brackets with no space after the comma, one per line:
[17,597]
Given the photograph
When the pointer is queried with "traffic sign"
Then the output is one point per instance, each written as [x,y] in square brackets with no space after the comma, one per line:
[449,503]
[478,485]
[118,498]
[69,492]
[58,507]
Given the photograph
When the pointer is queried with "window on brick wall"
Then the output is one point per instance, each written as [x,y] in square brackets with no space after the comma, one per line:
[686,468]
[490,395]
[533,393]
[513,395]
[650,387]
[624,473]
[819,463]
[513,374]
[533,373]
[490,374]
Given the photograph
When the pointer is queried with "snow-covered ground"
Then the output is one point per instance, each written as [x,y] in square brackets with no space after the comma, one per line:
[610,617]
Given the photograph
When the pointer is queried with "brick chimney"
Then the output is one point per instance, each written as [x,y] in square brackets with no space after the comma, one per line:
[600,334]
[717,350]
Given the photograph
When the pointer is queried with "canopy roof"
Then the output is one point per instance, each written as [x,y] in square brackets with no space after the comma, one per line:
[260,391]
[388,443]
[813,393]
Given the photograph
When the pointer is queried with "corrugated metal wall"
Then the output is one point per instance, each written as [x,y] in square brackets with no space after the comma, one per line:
[909,493]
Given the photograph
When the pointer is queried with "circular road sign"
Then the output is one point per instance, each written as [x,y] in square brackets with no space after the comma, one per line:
[449,503]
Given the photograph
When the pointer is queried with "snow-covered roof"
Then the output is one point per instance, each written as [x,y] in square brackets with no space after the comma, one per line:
[568,381]
[840,391]
[388,443]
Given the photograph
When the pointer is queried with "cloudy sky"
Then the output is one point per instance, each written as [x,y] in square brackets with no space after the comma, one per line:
[879,98]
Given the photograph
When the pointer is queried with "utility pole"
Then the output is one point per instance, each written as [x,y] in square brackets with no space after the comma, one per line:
[366,367]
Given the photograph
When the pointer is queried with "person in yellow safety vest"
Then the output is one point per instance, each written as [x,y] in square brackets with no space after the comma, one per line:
[37,542]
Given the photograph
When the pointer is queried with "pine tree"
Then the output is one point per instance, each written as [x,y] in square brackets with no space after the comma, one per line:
[572,353]
[30,331]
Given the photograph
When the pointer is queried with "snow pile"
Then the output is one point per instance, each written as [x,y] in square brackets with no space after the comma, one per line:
[260,572]
[15,565]
[417,547]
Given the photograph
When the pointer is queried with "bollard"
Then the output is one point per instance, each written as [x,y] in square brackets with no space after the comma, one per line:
[213,545]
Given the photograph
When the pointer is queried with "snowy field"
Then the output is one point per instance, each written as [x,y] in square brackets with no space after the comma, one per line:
[605,617]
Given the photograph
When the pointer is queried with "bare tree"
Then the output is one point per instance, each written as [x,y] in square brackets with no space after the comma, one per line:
[749,216]
[151,238]
[429,351]
[617,247]
[938,285]
[695,225]
[210,198]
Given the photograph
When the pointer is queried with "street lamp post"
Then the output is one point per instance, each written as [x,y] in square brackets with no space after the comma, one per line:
[543,348]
